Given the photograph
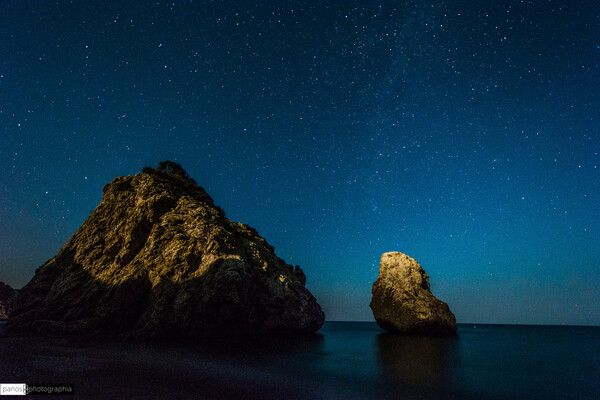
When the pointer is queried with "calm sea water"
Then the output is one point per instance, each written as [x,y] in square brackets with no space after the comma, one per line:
[345,360]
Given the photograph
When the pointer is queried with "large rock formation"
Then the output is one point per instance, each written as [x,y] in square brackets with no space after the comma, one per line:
[7,295]
[402,300]
[157,258]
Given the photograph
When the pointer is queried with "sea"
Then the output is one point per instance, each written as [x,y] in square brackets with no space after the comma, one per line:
[344,360]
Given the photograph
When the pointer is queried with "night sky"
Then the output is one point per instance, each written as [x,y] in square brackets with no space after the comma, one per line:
[465,134]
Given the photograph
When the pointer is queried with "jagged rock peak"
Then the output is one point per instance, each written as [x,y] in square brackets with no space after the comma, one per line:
[157,258]
[402,300]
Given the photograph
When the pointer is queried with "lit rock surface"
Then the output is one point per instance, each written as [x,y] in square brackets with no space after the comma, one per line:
[402,300]
[7,295]
[158,259]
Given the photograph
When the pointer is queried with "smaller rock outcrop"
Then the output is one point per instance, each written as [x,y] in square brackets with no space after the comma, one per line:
[402,300]
[7,294]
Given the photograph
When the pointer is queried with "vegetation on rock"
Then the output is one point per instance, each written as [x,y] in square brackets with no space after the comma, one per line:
[7,295]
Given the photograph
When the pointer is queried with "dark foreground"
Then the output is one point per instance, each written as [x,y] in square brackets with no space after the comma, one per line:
[344,360]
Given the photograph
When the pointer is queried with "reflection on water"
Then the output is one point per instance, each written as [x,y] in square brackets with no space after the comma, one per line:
[268,346]
[251,368]
[416,363]
[344,361]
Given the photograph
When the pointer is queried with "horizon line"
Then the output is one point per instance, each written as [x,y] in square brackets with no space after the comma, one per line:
[487,323]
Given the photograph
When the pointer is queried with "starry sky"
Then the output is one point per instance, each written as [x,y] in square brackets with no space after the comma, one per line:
[462,133]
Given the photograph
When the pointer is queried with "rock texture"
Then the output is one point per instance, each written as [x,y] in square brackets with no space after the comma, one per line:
[158,259]
[7,295]
[403,302]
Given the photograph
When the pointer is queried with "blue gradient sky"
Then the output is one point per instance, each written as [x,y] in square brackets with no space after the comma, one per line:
[462,133]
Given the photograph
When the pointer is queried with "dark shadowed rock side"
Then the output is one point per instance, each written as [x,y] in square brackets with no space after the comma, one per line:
[7,295]
[402,300]
[157,259]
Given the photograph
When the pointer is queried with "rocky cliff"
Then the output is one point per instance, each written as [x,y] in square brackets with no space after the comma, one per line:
[7,295]
[158,259]
[402,300]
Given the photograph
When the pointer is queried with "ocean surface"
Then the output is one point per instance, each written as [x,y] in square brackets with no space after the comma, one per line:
[344,360]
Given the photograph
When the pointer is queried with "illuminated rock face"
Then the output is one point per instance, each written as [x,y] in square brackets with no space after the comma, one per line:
[158,259]
[403,302]
[7,295]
